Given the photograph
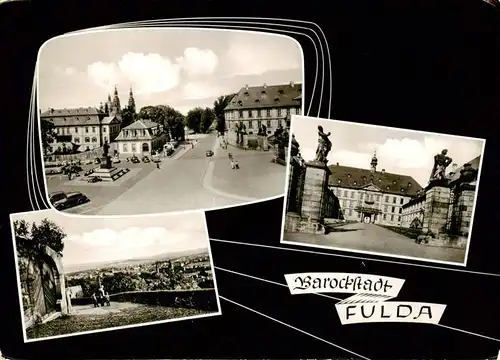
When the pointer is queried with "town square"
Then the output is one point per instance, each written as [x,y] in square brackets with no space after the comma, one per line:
[171,142]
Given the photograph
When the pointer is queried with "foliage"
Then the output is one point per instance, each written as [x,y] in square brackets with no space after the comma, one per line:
[48,233]
[128,116]
[219,105]
[193,119]
[171,119]
[48,135]
[206,120]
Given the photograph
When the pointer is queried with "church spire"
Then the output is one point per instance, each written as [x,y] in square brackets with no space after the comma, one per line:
[131,100]
[374,162]
[115,105]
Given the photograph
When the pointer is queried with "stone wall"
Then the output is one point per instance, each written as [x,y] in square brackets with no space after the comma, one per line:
[436,209]
[315,188]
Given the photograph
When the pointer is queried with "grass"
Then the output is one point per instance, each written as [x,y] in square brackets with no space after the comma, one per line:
[80,323]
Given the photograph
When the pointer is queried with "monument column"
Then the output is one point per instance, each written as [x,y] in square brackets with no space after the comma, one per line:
[315,183]
[436,207]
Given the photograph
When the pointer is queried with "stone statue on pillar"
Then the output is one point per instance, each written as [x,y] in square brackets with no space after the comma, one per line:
[441,162]
[324,146]
[106,159]
[294,151]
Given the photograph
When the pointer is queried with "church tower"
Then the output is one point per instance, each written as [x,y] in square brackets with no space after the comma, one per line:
[374,162]
[131,100]
[115,105]
[108,106]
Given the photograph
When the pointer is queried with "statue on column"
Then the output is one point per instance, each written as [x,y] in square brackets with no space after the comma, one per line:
[441,162]
[324,146]
[294,151]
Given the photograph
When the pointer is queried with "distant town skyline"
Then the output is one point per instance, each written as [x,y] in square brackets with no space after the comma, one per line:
[398,151]
[182,68]
[103,239]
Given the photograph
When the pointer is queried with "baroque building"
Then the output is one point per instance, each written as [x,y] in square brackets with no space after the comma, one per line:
[268,105]
[141,138]
[371,195]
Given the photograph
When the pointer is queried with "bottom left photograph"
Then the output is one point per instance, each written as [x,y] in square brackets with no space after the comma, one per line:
[83,275]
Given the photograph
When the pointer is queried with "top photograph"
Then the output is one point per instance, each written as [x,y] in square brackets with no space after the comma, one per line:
[143,121]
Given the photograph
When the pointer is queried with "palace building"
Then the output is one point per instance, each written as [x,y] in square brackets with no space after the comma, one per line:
[370,195]
[86,128]
[141,138]
[268,105]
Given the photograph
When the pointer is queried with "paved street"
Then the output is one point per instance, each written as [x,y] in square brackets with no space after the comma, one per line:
[191,182]
[370,237]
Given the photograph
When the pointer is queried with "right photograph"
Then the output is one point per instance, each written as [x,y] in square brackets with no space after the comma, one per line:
[381,191]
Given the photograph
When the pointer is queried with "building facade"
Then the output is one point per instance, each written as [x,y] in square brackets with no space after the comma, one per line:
[141,138]
[370,195]
[86,128]
[268,105]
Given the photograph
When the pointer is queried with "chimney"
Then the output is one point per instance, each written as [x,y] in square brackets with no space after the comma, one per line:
[337,164]
[292,84]
[383,171]
[246,87]
[265,86]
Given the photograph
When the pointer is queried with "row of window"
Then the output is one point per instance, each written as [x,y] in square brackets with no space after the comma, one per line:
[87,140]
[384,216]
[368,197]
[258,113]
[133,147]
[67,130]
[249,124]
[143,132]
[352,204]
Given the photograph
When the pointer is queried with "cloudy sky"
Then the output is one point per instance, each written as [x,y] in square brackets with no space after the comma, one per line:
[97,239]
[398,151]
[183,68]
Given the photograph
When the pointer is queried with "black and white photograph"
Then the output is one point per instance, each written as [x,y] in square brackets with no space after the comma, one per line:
[83,275]
[380,190]
[159,120]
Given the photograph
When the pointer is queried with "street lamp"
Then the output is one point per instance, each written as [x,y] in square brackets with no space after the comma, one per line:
[186,133]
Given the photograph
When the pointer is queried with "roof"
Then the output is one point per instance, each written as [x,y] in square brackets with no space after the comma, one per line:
[71,112]
[141,124]
[108,119]
[474,163]
[264,96]
[357,178]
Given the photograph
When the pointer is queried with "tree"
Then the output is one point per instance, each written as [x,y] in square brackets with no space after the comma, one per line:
[48,233]
[206,120]
[193,119]
[171,119]
[48,135]
[219,105]
[128,116]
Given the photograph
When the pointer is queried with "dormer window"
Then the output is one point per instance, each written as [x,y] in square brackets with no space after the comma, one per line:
[409,184]
[348,175]
[263,92]
[240,103]
[246,93]
[257,100]
[281,92]
[276,99]
[339,181]
[379,180]
[402,190]
[387,187]
[354,182]
[394,182]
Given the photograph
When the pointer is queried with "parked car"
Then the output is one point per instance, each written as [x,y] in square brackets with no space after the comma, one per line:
[145,159]
[53,170]
[88,162]
[97,161]
[94,179]
[169,151]
[116,160]
[70,200]
[209,153]
[56,196]
[72,169]
[135,160]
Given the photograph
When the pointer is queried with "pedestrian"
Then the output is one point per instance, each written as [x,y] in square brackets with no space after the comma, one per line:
[230,156]
[157,164]
[232,164]
[108,302]
[236,165]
